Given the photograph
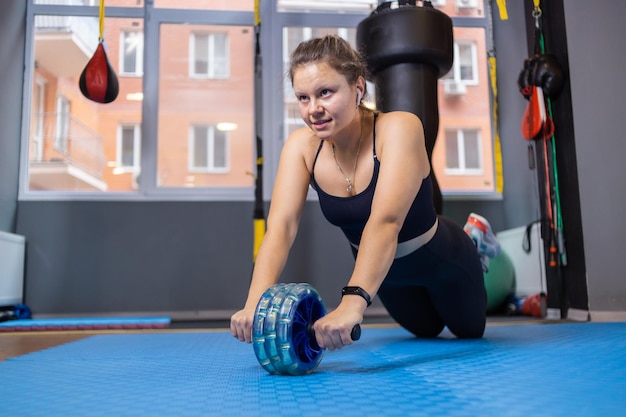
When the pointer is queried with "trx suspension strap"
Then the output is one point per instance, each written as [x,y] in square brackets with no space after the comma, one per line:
[259,210]
[497,146]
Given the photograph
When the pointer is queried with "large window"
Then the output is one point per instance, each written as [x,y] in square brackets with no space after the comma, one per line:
[205,120]
[199,71]
[183,123]
[463,157]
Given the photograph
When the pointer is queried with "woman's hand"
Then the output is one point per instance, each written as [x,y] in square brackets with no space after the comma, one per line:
[241,324]
[333,331]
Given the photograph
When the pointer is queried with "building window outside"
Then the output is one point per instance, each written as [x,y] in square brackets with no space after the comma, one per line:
[463,152]
[131,53]
[208,149]
[129,144]
[38,120]
[209,55]
[464,67]
[62,130]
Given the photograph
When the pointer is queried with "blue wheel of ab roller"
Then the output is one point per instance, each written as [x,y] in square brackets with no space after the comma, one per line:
[282,330]
[298,351]
[258,327]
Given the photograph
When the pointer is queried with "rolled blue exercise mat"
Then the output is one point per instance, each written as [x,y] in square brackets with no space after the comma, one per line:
[85,323]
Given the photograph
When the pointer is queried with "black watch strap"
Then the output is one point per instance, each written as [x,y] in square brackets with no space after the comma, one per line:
[357,291]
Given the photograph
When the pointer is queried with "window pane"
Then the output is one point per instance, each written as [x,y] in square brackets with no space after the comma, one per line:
[219,54]
[132,54]
[305,6]
[465,106]
[201,54]
[127,150]
[62,124]
[123,3]
[472,147]
[240,5]
[460,8]
[186,101]
[74,146]
[452,150]
[466,62]
[200,147]
[220,149]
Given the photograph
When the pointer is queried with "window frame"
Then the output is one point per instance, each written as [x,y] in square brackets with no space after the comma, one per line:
[273,129]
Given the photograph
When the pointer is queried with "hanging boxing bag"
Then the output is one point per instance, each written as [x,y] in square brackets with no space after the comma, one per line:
[407,49]
[98,81]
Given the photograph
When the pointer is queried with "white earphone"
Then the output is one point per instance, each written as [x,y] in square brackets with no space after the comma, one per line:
[358,97]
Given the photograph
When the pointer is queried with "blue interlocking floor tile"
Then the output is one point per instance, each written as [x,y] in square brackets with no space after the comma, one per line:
[575,369]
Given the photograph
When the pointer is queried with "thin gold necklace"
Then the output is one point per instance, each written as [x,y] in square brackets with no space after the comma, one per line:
[358,151]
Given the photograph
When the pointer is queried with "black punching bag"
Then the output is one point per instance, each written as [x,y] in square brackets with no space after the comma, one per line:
[407,49]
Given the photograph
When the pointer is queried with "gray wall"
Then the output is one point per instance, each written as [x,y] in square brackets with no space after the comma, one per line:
[190,260]
[596,33]
[194,258]
[12,29]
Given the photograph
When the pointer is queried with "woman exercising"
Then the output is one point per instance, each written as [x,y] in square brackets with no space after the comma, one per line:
[372,176]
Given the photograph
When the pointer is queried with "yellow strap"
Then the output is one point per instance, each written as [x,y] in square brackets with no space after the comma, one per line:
[257,12]
[101,38]
[537,2]
[497,146]
[259,233]
[504,15]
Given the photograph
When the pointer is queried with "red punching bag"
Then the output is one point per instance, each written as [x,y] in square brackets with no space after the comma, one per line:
[98,81]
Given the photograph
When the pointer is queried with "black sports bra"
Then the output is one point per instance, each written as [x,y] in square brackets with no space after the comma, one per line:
[351,213]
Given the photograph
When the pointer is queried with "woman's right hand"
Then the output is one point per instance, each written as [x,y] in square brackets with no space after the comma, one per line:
[241,324]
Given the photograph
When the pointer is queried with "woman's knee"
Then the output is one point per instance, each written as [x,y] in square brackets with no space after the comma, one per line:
[469,331]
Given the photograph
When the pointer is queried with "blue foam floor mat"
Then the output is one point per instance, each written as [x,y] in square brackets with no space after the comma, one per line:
[570,369]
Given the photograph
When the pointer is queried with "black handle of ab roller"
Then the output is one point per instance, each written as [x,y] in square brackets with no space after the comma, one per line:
[355,334]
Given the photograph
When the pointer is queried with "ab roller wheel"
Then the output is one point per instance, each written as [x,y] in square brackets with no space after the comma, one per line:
[282,330]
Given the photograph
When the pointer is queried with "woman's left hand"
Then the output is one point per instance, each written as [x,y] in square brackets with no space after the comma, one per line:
[333,331]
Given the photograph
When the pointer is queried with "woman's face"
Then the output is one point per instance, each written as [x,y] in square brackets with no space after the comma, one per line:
[325,99]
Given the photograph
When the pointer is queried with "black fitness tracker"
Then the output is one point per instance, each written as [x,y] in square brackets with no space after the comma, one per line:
[357,291]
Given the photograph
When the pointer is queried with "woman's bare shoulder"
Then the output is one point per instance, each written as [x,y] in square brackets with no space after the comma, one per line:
[302,143]
[398,118]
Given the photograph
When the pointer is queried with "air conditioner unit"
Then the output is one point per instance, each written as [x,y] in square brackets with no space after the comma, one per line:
[466,4]
[454,88]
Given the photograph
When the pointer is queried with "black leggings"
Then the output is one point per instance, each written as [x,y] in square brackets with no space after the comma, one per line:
[441,284]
